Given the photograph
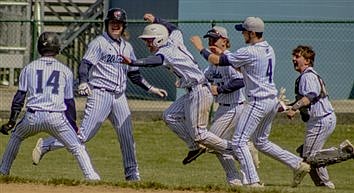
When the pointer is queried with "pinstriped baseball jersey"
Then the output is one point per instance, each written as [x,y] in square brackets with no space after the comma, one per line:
[220,75]
[107,71]
[108,78]
[321,124]
[178,59]
[257,64]
[46,72]
[310,83]
[47,83]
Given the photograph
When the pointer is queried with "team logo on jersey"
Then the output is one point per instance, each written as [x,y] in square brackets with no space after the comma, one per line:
[109,58]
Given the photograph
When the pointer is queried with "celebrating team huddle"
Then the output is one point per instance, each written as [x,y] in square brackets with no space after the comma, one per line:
[240,82]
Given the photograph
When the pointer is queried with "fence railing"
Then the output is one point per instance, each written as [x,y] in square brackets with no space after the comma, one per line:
[332,41]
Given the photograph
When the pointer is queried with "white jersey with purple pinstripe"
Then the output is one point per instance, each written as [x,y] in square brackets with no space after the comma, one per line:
[310,83]
[47,83]
[321,124]
[227,113]
[192,109]
[180,61]
[107,71]
[257,64]
[107,74]
[221,75]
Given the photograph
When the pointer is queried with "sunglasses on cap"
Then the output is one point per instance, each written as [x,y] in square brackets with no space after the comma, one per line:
[212,34]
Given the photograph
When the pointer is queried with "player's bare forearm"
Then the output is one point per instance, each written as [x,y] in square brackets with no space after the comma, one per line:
[304,101]
[197,43]
[211,57]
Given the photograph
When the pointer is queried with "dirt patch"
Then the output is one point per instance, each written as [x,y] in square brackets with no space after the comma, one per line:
[38,188]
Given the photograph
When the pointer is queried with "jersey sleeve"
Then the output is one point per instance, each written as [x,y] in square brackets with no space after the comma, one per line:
[93,52]
[68,88]
[234,73]
[239,58]
[132,56]
[309,85]
[23,80]
[176,36]
[208,73]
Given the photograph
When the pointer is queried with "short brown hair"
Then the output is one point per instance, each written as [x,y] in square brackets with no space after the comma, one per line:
[307,52]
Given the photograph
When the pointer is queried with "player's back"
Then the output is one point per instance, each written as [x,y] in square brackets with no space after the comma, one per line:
[181,61]
[47,83]
[259,73]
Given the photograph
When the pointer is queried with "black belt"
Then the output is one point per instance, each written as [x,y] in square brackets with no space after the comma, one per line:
[105,89]
[34,111]
[228,105]
[189,89]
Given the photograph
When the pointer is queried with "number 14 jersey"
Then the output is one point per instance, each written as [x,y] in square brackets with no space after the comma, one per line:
[47,83]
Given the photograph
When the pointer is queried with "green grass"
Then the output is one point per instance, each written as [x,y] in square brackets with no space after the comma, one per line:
[160,155]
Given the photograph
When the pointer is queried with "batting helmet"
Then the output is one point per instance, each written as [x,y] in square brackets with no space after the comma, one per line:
[156,31]
[48,43]
[117,14]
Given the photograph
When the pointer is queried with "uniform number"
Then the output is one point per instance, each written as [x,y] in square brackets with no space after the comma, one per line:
[53,81]
[269,70]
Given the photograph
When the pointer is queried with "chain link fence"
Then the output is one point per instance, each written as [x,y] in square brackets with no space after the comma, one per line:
[331,40]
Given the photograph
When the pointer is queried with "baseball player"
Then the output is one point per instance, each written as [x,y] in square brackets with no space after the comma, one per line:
[50,105]
[315,109]
[256,62]
[225,81]
[227,87]
[188,115]
[104,78]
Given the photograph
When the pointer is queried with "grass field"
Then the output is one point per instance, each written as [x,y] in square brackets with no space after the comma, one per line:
[160,155]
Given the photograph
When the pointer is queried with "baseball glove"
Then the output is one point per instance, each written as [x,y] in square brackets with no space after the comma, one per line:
[5,128]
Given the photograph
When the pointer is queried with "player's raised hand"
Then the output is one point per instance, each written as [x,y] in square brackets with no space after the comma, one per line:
[197,42]
[149,17]
[158,91]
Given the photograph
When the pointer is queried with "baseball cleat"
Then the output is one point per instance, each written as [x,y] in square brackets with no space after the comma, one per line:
[255,185]
[192,155]
[329,185]
[300,173]
[37,152]
[235,183]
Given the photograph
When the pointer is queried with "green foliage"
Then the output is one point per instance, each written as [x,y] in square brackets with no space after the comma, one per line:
[160,154]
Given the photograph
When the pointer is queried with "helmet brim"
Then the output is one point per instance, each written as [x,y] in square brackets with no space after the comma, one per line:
[146,37]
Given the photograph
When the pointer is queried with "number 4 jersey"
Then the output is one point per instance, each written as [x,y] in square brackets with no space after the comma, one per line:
[47,83]
[257,64]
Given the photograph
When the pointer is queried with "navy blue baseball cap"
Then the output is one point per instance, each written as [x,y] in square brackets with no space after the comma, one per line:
[216,32]
[254,24]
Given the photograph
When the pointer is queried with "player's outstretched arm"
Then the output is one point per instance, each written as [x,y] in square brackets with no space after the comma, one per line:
[149,17]
[150,61]
[158,91]
[139,80]
[207,55]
